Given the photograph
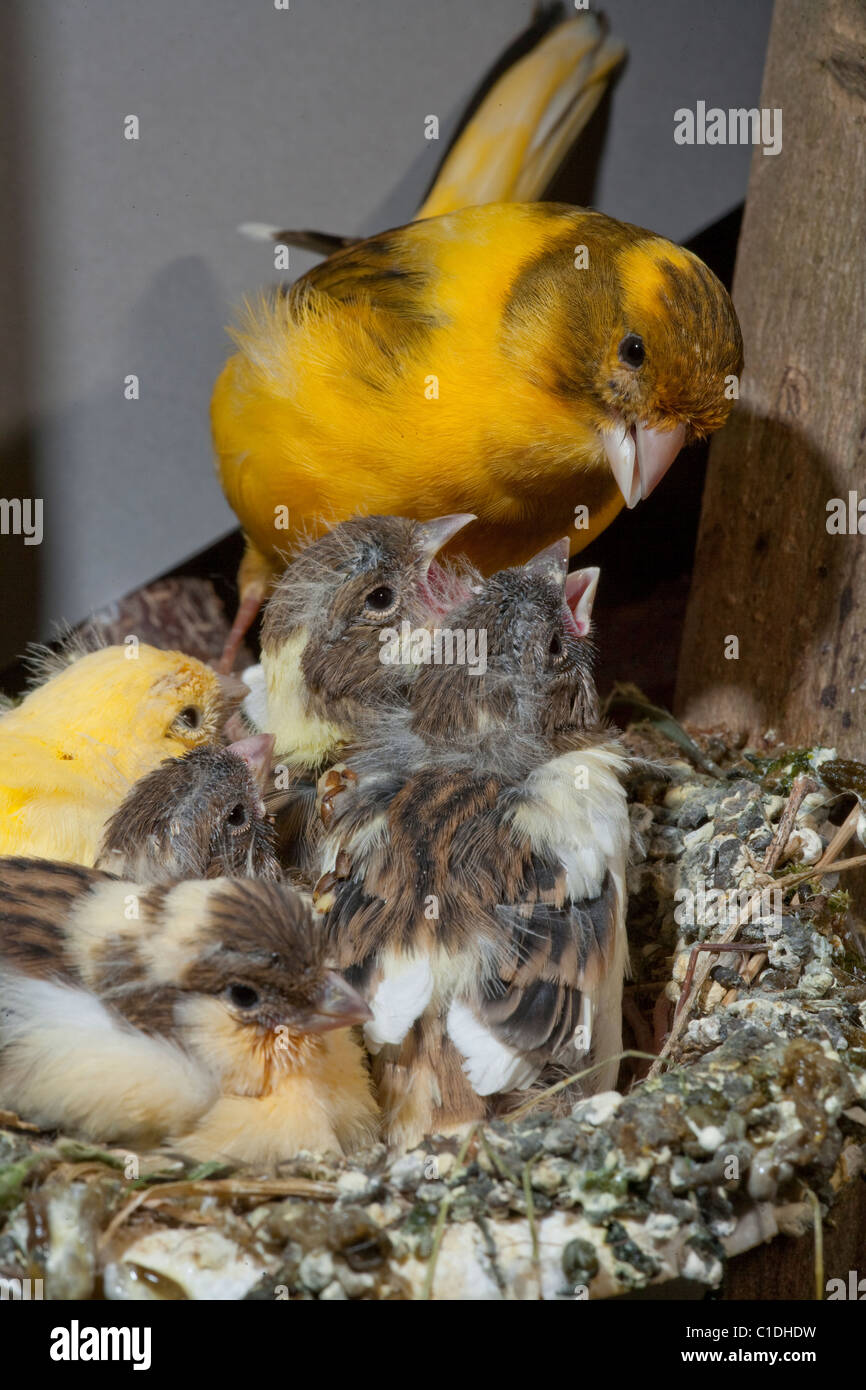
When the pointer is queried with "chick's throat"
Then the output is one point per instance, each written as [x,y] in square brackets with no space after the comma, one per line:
[301,735]
[248,1058]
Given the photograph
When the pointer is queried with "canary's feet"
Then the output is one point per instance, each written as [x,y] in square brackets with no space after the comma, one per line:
[251,601]
[255,577]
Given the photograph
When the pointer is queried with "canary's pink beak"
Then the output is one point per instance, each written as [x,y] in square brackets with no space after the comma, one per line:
[440,592]
[640,457]
[580,590]
[338,1005]
[257,752]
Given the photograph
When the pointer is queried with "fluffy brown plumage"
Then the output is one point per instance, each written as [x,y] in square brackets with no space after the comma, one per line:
[200,1013]
[322,680]
[201,816]
[474,883]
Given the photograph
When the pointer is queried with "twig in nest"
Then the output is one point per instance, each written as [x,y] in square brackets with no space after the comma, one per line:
[465,1146]
[754,967]
[825,865]
[426,1293]
[530,1104]
[9,1120]
[800,789]
[227,1188]
[438,1232]
[530,1217]
[818,1228]
[720,948]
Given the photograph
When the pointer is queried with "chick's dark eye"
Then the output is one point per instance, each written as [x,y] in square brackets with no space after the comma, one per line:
[555,648]
[237,816]
[243,996]
[380,599]
[190,717]
[631,350]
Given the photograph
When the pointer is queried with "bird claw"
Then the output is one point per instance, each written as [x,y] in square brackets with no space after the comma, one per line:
[324,896]
[324,893]
[332,784]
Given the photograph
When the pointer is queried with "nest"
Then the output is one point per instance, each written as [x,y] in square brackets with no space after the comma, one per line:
[753,1122]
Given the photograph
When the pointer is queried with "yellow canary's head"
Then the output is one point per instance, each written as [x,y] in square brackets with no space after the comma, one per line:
[671,367]
[324,623]
[644,336]
[138,703]
[508,360]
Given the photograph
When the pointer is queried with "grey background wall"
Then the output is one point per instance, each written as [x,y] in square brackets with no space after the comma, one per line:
[121,257]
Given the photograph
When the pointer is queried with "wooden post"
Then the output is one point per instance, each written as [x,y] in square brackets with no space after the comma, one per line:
[770,570]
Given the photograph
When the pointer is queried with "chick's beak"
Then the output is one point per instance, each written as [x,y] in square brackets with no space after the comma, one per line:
[580,587]
[233,689]
[432,535]
[552,562]
[337,1005]
[257,752]
[639,457]
[430,538]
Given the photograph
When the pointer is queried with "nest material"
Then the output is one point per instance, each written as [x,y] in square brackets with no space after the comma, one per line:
[755,1123]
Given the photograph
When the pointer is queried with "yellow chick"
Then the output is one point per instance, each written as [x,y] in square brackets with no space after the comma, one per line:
[70,752]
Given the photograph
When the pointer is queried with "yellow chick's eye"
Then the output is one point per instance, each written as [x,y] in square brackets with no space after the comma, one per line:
[631,350]
[188,721]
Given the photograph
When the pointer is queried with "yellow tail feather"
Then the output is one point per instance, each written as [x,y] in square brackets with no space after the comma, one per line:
[514,143]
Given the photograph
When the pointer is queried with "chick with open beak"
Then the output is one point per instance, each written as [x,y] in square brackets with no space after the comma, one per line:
[322,681]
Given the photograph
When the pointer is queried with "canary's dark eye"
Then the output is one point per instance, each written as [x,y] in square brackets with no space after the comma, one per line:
[631,350]
[381,599]
[237,816]
[555,648]
[190,717]
[243,996]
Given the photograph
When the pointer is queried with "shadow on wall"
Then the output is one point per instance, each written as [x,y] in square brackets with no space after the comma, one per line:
[178,323]
[176,334]
[20,564]
[573,183]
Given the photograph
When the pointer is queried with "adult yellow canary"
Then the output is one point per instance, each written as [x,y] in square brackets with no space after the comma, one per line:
[518,128]
[515,360]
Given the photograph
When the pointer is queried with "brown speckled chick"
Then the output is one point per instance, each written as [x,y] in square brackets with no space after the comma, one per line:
[201,1014]
[322,680]
[475,864]
[200,816]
